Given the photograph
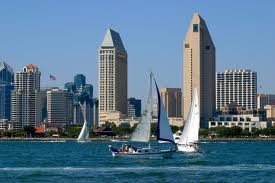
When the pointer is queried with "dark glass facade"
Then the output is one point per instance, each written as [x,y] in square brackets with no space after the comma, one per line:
[5,101]
[6,87]
[137,105]
[6,74]
[80,81]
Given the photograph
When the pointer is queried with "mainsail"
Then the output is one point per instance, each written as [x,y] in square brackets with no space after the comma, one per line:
[190,132]
[164,132]
[84,134]
[143,130]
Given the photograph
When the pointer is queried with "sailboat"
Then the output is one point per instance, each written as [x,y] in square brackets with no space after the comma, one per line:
[84,134]
[142,133]
[190,134]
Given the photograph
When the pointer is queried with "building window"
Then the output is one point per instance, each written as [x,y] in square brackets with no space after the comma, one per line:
[186,46]
[207,47]
[195,28]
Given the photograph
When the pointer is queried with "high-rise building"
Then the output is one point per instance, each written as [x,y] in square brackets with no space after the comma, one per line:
[83,99]
[134,107]
[59,107]
[26,98]
[265,99]
[199,69]
[6,86]
[113,74]
[171,98]
[237,86]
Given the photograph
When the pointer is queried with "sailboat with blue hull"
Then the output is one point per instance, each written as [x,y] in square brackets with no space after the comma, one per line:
[142,133]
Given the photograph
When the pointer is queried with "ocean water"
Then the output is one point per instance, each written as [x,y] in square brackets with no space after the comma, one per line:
[72,162]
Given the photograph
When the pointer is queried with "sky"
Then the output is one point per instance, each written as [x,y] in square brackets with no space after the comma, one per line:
[63,37]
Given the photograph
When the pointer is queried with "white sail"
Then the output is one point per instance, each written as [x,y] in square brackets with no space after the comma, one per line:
[84,134]
[164,132]
[142,132]
[190,132]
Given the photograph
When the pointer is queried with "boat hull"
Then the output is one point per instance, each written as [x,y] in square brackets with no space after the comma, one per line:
[146,153]
[187,148]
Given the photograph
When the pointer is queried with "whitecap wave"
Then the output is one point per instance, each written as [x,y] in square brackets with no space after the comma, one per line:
[238,167]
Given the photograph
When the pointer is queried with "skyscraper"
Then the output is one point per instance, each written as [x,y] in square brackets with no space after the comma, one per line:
[6,86]
[26,99]
[237,86]
[199,69]
[59,106]
[82,93]
[113,74]
[171,98]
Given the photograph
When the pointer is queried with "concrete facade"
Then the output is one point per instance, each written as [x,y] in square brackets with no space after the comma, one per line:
[171,98]
[113,74]
[236,86]
[59,106]
[26,98]
[265,99]
[199,69]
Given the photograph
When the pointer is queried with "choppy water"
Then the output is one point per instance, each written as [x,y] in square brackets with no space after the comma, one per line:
[73,162]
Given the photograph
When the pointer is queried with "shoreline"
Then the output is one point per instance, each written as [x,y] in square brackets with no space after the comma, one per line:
[124,139]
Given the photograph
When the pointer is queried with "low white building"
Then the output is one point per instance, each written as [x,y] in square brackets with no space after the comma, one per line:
[5,124]
[247,122]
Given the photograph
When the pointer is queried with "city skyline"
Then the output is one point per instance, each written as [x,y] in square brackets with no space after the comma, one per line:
[49,39]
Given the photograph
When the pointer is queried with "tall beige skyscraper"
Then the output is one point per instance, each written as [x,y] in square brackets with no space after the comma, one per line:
[113,74]
[199,69]
[171,98]
[26,98]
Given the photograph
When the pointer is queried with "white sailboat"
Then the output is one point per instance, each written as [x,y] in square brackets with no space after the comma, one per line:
[190,134]
[84,134]
[142,133]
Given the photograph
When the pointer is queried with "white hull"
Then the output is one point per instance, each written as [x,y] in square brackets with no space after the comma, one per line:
[146,153]
[187,148]
[83,141]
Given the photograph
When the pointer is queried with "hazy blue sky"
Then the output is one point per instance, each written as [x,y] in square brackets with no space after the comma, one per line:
[62,37]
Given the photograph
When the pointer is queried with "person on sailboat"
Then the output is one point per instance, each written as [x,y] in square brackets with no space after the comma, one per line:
[142,132]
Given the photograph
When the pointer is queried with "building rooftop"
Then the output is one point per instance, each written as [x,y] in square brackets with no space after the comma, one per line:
[4,65]
[112,39]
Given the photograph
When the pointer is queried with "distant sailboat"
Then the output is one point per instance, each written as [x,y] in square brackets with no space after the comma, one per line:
[142,133]
[190,135]
[84,134]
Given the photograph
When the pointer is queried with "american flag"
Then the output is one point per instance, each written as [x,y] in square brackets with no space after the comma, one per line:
[52,77]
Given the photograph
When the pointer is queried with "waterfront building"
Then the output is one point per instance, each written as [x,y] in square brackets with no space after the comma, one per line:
[265,99]
[199,69]
[111,116]
[236,86]
[6,86]
[26,98]
[5,124]
[171,98]
[134,107]
[82,99]
[59,107]
[113,74]
[245,121]
[270,114]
